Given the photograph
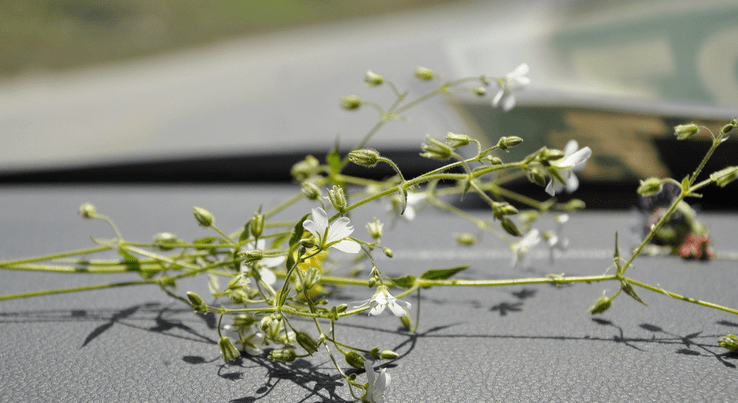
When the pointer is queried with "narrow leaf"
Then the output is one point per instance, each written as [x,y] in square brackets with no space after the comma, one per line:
[442,274]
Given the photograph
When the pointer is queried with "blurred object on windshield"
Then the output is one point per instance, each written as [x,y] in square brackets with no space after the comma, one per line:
[615,76]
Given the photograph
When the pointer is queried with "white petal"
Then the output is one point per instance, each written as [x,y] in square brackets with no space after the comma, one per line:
[272,261]
[361,304]
[550,187]
[268,276]
[570,147]
[521,70]
[396,309]
[572,183]
[339,229]
[347,246]
[498,97]
[508,103]
[377,309]
[578,157]
[370,376]
[313,228]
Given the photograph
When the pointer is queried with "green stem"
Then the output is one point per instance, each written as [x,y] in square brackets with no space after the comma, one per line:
[76,289]
[681,297]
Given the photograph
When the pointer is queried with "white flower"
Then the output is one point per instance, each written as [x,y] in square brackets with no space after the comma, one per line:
[333,236]
[378,384]
[265,264]
[513,81]
[383,299]
[249,339]
[572,161]
[554,238]
[520,249]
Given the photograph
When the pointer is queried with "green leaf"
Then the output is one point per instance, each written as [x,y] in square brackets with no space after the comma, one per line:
[130,260]
[442,274]
[404,282]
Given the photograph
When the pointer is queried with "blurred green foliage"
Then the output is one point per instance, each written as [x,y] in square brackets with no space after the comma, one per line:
[63,34]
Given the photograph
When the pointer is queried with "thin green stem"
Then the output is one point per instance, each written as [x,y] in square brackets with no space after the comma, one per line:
[681,297]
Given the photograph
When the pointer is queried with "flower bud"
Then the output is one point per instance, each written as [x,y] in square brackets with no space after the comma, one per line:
[373,79]
[243,320]
[354,359]
[730,342]
[87,210]
[307,243]
[307,342]
[375,228]
[466,239]
[388,252]
[425,74]
[227,349]
[536,175]
[724,176]
[198,304]
[551,155]
[351,102]
[310,190]
[203,216]
[340,308]
[305,168]
[251,255]
[500,209]
[436,149]
[285,355]
[493,160]
[337,197]
[510,227]
[574,204]
[727,128]
[458,140]
[506,142]
[166,241]
[481,91]
[686,131]
[388,355]
[601,305]
[237,296]
[366,157]
[650,187]
[257,224]
[406,321]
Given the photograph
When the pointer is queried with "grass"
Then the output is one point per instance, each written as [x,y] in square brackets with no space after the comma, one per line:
[66,34]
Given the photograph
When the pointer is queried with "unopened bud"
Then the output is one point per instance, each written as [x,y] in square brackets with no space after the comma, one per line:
[310,190]
[375,228]
[601,305]
[406,321]
[551,155]
[307,243]
[686,131]
[727,128]
[388,252]
[351,102]
[257,224]
[243,320]
[354,359]
[481,91]
[307,342]
[305,168]
[366,157]
[284,355]
[724,176]
[458,140]
[730,342]
[198,304]
[494,160]
[227,349]
[203,216]
[435,149]
[87,210]
[166,241]
[536,175]
[574,204]
[337,197]
[425,74]
[500,209]
[466,239]
[373,79]
[650,187]
[510,227]
[507,142]
[388,355]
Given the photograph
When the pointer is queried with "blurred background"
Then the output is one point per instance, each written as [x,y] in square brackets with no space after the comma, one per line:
[182,91]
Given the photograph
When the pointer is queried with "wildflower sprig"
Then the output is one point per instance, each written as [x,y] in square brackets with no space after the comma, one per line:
[267,274]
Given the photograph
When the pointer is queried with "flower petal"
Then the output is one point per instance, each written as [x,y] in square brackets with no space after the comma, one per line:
[339,229]
[347,246]
[498,97]
[521,70]
[572,183]
[313,228]
[508,103]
